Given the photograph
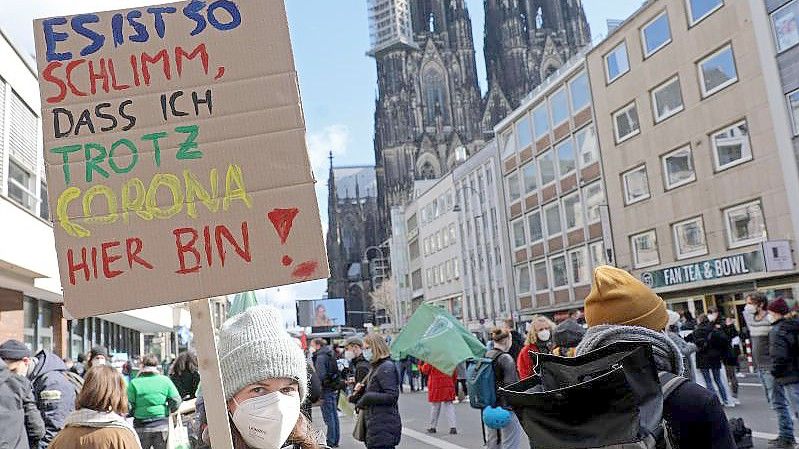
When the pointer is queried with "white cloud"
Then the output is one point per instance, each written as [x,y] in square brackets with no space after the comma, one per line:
[333,138]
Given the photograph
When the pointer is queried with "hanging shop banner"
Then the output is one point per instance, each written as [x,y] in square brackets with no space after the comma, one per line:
[176,164]
[707,270]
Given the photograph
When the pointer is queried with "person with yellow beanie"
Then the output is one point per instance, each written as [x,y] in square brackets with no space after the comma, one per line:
[621,308]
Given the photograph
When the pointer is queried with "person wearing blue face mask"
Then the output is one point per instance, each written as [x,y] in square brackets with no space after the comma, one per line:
[265,378]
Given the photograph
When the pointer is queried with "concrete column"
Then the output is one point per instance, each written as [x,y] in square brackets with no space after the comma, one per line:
[11,315]
[60,331]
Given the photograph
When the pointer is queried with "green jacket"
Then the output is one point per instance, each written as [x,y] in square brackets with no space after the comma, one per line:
[152,396]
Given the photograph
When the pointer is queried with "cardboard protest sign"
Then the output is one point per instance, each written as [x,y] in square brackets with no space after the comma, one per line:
[175,148]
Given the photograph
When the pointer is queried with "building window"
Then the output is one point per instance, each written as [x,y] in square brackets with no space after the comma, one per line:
[597,253]
[580,92]
[20,186]
[645,249]
[560,274]
[656,34]
[689,238]
[578,267]
[456,269]
[573,211]
[534,226]
[541,278]
[524,135]
[594,197]
[586,146]
[717,71]
[44,207]
[530,175]
[566,161]
[552,218]
[745,224]
[519,239]
[559,104]
[667,99]
[514,190]
[731,146]
[541,121]
[785,22]
[678,168]
[793,107]
[616,62]
[636,185]
[546,166]
[508,144]
[699,9]
[523,279]
[625,122]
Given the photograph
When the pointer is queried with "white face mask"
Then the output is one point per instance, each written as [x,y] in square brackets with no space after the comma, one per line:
[712,317]
[544,334]
[770,318]
[265,422]
[349,355]
[751,308]
[98,362]
[367,354]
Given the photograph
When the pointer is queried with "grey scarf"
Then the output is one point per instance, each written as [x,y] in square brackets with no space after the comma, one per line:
[667,355]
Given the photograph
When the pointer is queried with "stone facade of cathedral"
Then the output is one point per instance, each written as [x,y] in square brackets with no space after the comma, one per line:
[429,114]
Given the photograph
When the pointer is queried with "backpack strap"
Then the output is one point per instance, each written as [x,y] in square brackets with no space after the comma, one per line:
[669,382]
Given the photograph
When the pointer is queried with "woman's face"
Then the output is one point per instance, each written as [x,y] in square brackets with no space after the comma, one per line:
[289,387]
[540,325]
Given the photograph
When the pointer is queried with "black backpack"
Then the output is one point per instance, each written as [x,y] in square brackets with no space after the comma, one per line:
[611,397]
[741,434]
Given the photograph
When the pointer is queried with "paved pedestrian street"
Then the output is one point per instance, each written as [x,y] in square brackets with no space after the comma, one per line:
[414,409]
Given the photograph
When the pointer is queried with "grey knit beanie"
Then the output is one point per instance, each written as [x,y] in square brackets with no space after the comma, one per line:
[254,346]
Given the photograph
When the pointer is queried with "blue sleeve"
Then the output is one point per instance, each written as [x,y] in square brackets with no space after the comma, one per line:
[56,400]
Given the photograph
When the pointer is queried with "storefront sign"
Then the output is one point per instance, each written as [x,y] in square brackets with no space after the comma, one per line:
[723,267]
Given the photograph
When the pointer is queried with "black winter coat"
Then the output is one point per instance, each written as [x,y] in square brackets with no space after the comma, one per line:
[383,422]
[696,419]
[20,417]
[784,350]
[360,368]
[324,362]
[54,394]
[712,346]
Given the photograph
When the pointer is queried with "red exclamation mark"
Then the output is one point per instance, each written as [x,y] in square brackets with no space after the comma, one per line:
[283,220]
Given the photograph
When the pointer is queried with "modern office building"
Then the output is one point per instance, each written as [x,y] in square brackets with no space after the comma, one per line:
[784,18]
[696,146]
[554,192]
[488,292]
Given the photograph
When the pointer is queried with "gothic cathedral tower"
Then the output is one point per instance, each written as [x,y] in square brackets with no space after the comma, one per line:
[525,42]
[428,110]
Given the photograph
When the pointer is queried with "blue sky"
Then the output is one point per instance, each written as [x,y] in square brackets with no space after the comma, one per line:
[337,79]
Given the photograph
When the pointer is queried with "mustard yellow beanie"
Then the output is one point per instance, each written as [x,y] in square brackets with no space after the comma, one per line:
[618,298]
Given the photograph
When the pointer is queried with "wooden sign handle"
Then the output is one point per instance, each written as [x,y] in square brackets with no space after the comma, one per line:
[202,327]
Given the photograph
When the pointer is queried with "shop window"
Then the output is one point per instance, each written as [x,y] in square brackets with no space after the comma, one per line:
[785,23]
[566,161]
[616,62]
[717,71]
[745,224]
[667,99]
[656,34]
[645,249]
[541,279]
[689,238]
[560,275]
[678,168]
[636,185]
[731,146]
[699,9]
[523,279]
[587,146]
[541,121]
[573,211]
[546,167]
[580,92]
[625,122]
[578,267]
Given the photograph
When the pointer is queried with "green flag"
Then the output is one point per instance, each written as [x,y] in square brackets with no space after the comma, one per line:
[436,337]
[241,302]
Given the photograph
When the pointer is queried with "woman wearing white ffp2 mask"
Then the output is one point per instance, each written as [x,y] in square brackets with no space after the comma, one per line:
[265,378]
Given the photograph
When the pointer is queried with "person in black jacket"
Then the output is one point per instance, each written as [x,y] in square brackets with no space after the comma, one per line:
[185,374]
[22,422]
[327,369]
[517,341]
[359,366]
[712,346]
[784,351]
[379,397]
[693,414]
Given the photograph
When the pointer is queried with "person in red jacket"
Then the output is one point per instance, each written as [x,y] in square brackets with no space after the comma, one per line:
[440,395]
[539,339]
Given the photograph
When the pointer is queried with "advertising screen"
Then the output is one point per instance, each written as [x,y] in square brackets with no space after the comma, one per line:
[321,313]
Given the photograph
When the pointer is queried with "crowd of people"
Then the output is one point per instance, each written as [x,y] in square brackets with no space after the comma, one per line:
[271,381]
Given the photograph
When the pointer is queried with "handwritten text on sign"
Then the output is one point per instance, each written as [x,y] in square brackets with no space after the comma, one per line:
[175,153]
